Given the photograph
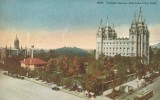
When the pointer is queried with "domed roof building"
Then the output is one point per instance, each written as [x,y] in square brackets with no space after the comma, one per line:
[16,43]
[13,51]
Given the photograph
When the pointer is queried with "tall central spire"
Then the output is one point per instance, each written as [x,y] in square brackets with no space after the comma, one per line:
[140,15]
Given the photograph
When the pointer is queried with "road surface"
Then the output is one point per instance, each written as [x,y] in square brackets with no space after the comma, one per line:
[17,89]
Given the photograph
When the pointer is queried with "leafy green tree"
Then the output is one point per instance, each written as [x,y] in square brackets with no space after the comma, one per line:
[51,66]
[67,82]
[92,83]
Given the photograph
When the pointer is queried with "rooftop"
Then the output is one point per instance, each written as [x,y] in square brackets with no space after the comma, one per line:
[33,61]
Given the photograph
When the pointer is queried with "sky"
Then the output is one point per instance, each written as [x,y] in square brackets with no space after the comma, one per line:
[53,24]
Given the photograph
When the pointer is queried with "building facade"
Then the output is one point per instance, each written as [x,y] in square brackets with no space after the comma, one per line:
[14,51]
[137,45]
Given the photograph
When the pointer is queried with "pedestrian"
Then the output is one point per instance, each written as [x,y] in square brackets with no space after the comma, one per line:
[86,92]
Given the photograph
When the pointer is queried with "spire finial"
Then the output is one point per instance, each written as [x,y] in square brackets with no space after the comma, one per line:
[140,15]
[100,26]
[16,36]
[113,26]
[107,22]
[145,24]
[134,20]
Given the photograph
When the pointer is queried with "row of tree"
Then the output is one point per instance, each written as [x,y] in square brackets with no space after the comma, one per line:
[90,73]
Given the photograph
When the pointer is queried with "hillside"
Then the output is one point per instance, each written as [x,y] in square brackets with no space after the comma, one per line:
[71,51]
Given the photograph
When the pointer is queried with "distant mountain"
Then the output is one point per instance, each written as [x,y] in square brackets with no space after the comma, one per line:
[71,51]
[156,45]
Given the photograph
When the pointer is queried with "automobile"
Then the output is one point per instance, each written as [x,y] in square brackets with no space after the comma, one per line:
[18,76]
[29,76]
[72,88]
[15,75]
[22,77]
[37,78]
[150,81]
[5,73]
[130,89]
[55,88]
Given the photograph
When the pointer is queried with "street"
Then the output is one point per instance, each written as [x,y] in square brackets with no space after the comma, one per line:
[153,86]
[17,89]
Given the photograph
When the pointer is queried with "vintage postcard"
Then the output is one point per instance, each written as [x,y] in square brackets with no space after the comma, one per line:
[79,49]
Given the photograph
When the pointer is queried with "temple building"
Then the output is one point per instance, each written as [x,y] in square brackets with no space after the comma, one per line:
[137,45]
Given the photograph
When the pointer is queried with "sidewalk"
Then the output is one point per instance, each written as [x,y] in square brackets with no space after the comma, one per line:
[79,94]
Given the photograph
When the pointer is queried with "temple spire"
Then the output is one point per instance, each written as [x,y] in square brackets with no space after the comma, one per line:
[107,25]
[145,24]
[113,26]
[134,20]
[140,15]
[100,26]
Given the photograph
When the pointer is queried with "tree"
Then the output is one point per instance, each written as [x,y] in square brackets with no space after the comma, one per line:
[92,83]
[51,65]
[67,82]
[122,72]
[95,66]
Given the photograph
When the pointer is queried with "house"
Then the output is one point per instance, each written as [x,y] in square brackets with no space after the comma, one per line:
[33,63]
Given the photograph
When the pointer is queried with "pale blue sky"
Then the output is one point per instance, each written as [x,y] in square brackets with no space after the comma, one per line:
[51,15]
